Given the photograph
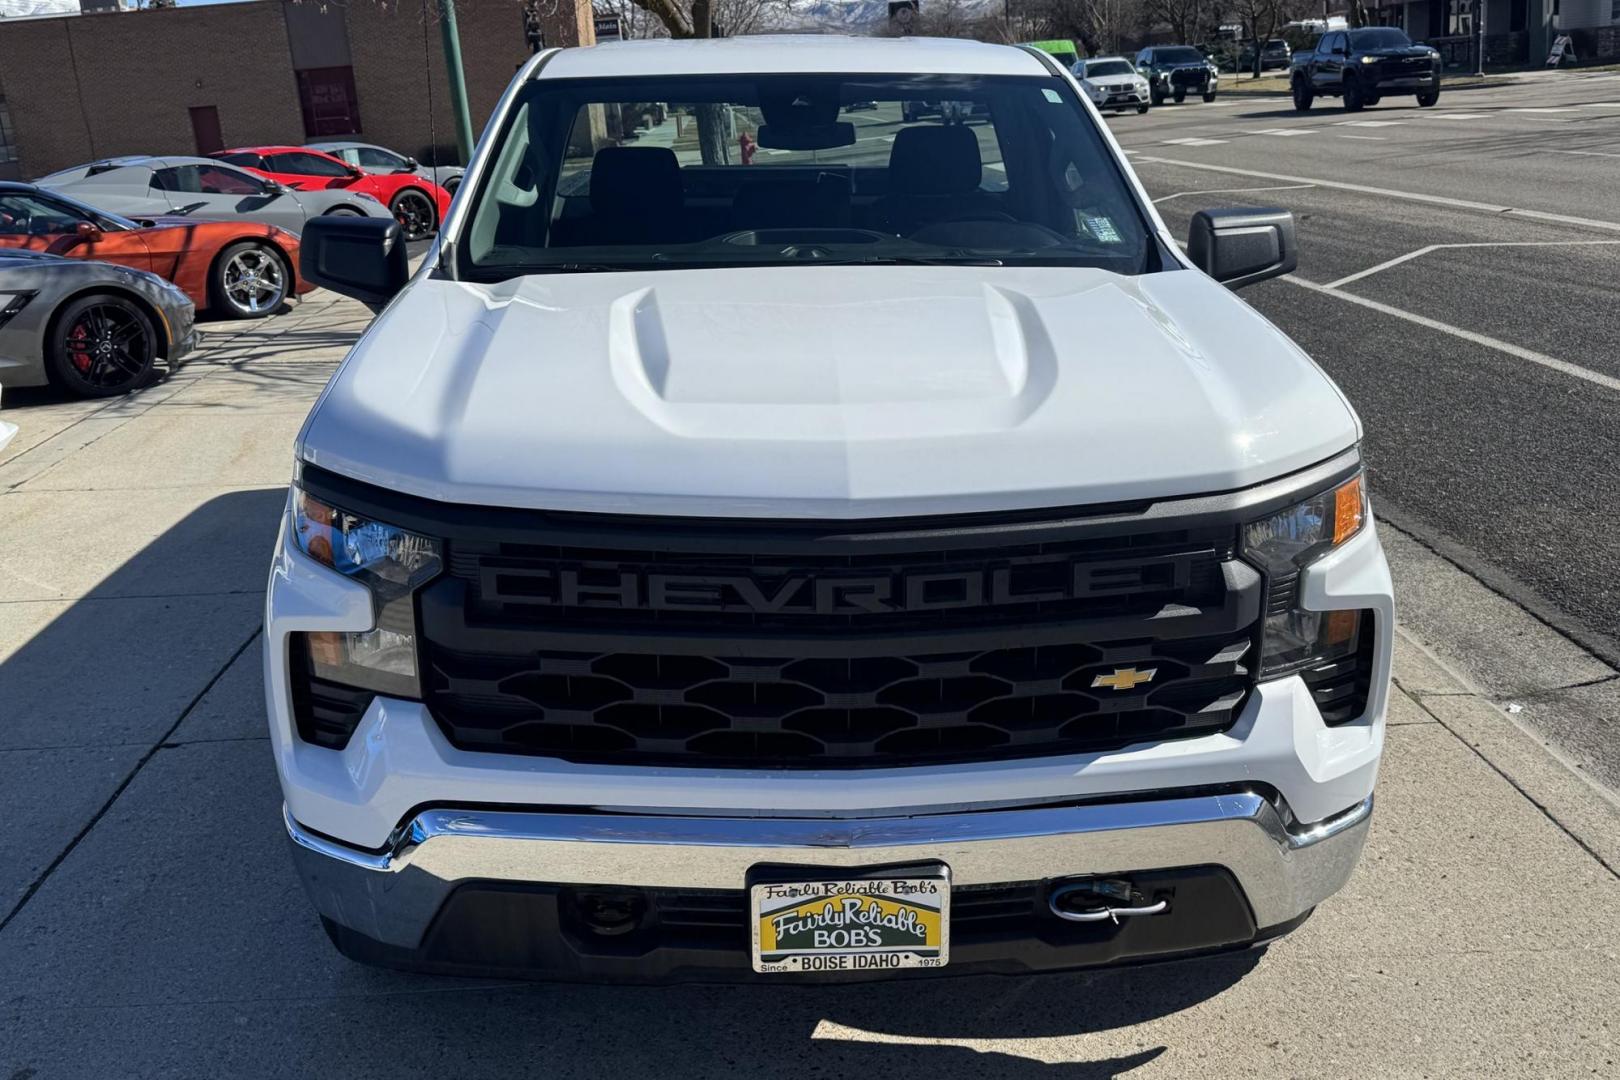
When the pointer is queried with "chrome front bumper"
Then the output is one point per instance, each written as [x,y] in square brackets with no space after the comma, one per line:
[393,895]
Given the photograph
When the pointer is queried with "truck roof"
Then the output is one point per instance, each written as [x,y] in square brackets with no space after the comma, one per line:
[768,54]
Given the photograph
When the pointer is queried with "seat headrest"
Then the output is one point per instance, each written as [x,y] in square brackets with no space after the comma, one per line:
[642,181]
[931,160]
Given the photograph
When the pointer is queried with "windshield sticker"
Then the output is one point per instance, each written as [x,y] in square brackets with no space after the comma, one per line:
[1052,96]
[1103,229]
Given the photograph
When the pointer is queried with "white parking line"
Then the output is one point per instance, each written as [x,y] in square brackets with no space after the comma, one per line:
[1283,131]
[1546,109]
[1601,105]
[1456,116]
[1231,191]
[1410,255]
[1388,193]
[1193,142]
[1587,153]
[1370,123]
[1564,367]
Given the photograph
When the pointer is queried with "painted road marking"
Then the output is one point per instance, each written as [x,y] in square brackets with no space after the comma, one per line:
[1389,193]
[1562,366]
[1193,142]
[1552,109]
[1284,131]
[1601,105]
[1370,123]
[1231,191]
[1410,255]
[1369,138]
[1458,116]
[1587,153]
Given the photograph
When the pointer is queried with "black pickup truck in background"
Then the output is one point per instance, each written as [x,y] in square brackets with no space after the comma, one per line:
[1363,66]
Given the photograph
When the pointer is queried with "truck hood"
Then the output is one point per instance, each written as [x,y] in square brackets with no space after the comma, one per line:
[824,392]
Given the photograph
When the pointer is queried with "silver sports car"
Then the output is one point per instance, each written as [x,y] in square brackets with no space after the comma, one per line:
[380,159]
[201,188]
[92,328]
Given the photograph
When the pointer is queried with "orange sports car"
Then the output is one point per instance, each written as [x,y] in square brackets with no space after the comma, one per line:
[235,269]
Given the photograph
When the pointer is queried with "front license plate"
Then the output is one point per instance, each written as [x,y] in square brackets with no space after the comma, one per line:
[861,923]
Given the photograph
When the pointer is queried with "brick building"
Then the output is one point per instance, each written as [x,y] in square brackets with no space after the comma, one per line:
[184,80]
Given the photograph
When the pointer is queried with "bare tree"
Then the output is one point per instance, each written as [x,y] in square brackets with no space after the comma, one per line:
[1096,24]
[703,19]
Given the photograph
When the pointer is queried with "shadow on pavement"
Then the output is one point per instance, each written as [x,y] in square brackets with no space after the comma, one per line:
[163,931]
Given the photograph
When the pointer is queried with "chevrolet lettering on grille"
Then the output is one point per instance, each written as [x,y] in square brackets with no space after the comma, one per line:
[799,593]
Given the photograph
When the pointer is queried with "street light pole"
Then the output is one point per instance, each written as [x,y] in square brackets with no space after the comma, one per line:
[457,77]
[1481,64]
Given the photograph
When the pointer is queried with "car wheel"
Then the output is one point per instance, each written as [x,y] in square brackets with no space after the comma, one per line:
[1353,101]
[250,281]
[415,213]
[451,184]
[344,211]
[1180,95]
[1370,100]
[1428,98]
[103,345]
[1140,109]
[1302,96]
[1209,97]
[1156,97]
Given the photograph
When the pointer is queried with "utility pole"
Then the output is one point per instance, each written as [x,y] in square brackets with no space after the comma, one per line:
[1480,6]
[458,80]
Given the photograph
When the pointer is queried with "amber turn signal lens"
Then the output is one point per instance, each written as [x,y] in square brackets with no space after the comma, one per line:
[1347,511]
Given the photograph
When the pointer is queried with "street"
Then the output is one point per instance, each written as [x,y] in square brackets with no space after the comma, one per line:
[1457,277]
[1480,343]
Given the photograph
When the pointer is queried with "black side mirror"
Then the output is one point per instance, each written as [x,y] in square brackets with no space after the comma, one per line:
[364,258]
[1241,247]
[410,165]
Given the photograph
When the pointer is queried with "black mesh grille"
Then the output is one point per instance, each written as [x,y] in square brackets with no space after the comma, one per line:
[871,711]
[753,651]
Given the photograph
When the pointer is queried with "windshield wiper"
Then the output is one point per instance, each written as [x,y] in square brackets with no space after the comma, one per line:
[904,260]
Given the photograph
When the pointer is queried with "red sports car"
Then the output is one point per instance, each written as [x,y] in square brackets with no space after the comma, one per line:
[237,269]
[417,202]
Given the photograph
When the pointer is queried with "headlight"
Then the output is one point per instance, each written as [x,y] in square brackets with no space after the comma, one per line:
[1284,544]
[391,562]
[1369,59]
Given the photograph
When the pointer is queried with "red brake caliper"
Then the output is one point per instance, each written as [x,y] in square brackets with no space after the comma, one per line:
[78,339]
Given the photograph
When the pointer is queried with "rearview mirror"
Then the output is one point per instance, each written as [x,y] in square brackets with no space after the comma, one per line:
[1241,247]
[364,258]
[806,136]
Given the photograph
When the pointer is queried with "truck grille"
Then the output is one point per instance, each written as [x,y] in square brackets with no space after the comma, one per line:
[817,645]
[838,711]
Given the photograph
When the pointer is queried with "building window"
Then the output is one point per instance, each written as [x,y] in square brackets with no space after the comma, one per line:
[1461,22]
[328,98]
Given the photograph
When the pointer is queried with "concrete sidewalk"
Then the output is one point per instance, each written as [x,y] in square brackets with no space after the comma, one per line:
[150,923]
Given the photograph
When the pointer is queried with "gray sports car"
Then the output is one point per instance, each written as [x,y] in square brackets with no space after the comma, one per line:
[202,188]
[380,159]
[91,328]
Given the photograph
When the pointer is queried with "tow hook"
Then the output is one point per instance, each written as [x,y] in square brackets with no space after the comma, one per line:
[1099,899]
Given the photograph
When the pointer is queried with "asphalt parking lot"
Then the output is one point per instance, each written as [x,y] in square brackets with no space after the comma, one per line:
[150,923]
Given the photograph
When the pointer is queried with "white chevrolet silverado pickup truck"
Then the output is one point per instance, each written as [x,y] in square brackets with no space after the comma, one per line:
[783,542]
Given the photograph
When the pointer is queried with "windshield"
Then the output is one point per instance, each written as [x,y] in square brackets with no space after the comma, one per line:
[1108,67]
[1180,55]
[1383,37]
[703,171]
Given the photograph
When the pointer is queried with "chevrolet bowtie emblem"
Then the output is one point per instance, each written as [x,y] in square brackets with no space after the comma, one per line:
[1125,678]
